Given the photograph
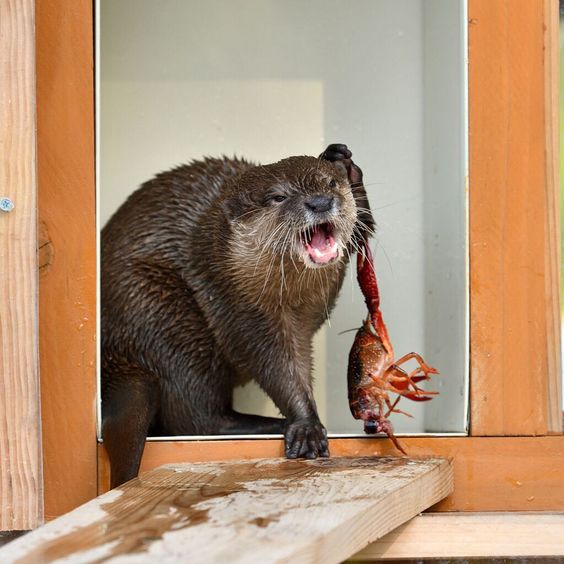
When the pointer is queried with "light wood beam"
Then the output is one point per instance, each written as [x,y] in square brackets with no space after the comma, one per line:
[483,535]
[20,441]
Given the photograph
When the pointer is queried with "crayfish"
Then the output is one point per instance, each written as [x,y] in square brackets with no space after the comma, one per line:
[372,372]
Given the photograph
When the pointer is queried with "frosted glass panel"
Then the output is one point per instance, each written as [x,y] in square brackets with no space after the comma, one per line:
[267,79]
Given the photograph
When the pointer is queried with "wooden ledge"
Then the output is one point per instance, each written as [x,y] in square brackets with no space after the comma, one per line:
[471,535]
[265,510]
[491,473]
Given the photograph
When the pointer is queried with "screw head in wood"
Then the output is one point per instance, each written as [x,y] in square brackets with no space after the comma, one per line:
[6,205]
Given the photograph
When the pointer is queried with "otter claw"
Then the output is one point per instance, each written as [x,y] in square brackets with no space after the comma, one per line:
[306,439]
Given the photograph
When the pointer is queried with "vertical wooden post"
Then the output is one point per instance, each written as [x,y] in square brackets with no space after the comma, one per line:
[67,305]
[552,248]
[508,214]
[21,504]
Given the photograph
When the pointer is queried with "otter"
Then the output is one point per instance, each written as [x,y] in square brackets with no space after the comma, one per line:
[214,273]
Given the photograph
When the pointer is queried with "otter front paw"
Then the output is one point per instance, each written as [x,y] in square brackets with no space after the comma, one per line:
[340,152]
[306,438]
[336,152]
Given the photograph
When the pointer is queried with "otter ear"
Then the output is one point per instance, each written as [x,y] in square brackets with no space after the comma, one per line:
[232,208]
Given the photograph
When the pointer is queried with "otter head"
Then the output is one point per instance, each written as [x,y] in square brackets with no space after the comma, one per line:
[300,207]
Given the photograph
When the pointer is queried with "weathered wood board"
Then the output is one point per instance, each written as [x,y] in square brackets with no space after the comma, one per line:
[477,535]
[262,510]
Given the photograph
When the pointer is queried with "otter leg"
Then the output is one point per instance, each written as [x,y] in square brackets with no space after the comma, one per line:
[246,424]
[204,407]
[196,380]
[129,405]
[282,371]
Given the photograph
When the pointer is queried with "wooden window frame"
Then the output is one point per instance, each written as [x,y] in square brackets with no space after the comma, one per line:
[513,457]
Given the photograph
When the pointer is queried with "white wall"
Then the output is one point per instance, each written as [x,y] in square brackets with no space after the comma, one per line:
[267,79]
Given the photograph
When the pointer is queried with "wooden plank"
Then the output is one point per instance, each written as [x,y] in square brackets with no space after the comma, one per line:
[552,244]
[65,94]
[265,510]
[491,473]
[20,444]
[485,535]
[508,211]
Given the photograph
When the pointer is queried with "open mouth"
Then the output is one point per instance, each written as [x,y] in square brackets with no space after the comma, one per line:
[320,244]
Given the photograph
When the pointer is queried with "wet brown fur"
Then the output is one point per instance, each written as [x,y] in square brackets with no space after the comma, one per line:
[199,295]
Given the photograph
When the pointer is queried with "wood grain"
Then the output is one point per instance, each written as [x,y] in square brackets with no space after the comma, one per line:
[552,183]
[266,510]
[508,212]
[485,535]
[67,324]
[491,474]
[20,445]
[44,249]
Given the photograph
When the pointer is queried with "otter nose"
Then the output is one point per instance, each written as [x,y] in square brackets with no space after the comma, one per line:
[320,203]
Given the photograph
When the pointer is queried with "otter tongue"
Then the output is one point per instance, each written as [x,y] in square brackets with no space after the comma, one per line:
[322,247]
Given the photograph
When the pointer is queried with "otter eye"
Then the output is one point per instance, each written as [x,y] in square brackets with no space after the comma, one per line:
[278,198]
[333,183]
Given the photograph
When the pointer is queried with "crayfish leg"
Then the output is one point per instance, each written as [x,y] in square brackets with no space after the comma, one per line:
[392,408]
[403,384]
[403,413]
[422,364]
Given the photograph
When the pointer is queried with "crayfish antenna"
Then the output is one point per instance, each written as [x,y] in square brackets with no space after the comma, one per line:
[382,425]
[390,432]
[396,443]
[392,409]
[403,413]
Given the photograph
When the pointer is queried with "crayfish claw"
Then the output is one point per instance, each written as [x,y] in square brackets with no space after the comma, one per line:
[418,397]
[419,378]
